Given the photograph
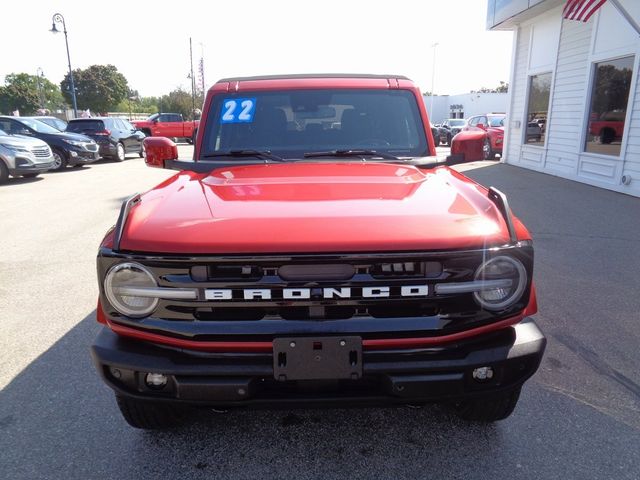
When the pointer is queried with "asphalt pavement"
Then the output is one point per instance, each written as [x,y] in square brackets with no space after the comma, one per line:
[578,418]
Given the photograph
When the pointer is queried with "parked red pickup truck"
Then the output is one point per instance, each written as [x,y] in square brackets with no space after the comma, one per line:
[609,127]
[168,125]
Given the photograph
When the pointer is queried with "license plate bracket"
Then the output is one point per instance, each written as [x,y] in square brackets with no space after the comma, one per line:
[317,358]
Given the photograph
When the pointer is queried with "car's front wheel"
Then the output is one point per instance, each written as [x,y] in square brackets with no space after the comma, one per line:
[488,409]
[4,172]
[149,415]
[59,160]
[120,155]
[487,151]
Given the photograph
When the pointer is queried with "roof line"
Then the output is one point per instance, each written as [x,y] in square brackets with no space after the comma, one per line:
[308,75]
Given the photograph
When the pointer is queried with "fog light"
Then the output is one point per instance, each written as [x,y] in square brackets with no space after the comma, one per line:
[73,154]
[483,373]
[155,380]
[115,373]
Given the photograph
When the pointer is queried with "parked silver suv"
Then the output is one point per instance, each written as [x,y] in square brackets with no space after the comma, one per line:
[23,156]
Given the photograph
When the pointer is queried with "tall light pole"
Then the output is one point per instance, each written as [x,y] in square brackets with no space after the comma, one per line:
[39,77]
[58,18]
[433,77]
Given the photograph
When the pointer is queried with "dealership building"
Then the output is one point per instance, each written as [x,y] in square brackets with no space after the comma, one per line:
[465,105]
[578,81]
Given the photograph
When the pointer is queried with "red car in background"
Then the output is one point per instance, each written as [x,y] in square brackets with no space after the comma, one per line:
[608,127]
[481,139]
[168,125]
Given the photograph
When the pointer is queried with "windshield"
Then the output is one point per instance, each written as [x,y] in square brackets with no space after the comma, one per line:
[457,123]
[294,122]
[496,121]
[37,125]
[81,126]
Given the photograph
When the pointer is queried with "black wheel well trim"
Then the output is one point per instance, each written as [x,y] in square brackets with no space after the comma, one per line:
[126,207]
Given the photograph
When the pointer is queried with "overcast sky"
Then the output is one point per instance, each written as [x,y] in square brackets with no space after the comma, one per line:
[149,41]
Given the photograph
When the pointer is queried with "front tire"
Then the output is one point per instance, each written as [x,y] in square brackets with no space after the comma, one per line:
[59,160]
[487,151]
[489,409]
[120,154]
[149,415]
[4,173]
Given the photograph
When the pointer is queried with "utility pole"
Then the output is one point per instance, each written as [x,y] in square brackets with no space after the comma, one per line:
[39,77]
[193,80]
[433,78]
[204,85]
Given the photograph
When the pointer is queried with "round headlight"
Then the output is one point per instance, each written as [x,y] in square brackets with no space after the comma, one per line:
[124,278]
[501,268]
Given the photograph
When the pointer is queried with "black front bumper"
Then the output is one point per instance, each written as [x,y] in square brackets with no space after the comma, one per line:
[24,169]
[388,376]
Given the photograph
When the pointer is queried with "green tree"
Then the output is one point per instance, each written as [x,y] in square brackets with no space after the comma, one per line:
[179,101]
[99,88]
[28,93]
[502,88]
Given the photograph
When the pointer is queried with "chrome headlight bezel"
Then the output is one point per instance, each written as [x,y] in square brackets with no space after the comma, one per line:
[116,300]
[516,292]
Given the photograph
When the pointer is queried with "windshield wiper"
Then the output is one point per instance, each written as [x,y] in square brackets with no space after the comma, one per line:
[351,153]
[265,154]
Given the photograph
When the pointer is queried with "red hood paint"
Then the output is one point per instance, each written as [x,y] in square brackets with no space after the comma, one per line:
[314,207]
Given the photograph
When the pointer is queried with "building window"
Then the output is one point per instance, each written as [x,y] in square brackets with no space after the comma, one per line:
[609,97]
[538,108]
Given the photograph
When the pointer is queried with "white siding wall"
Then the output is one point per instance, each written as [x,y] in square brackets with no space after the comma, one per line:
[580,46]
[518,87]
[631,165]
[568,102]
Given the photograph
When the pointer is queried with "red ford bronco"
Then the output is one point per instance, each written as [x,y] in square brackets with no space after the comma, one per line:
[313,252]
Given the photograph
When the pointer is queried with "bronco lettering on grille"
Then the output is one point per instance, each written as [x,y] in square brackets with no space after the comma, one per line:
[309,293]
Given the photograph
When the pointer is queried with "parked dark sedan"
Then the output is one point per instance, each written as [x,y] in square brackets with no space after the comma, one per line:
[55,122]
[115,136]
[68,148]
[450,128]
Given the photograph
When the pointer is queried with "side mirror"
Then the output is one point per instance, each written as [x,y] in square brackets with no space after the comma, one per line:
[158,151]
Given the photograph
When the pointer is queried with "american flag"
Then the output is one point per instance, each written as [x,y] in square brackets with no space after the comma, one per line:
[581,10]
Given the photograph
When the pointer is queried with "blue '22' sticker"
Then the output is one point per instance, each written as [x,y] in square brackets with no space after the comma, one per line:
[238,110]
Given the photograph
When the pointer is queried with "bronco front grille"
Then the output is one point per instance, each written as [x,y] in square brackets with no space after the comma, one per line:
[317,287]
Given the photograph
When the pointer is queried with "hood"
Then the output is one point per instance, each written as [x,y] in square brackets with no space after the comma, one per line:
[21,141]
[314,207]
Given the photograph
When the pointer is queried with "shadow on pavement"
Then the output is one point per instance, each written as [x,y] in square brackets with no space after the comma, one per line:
[12,181]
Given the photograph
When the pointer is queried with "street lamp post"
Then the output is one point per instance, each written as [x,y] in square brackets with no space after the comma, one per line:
[433,78]
[58,18]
